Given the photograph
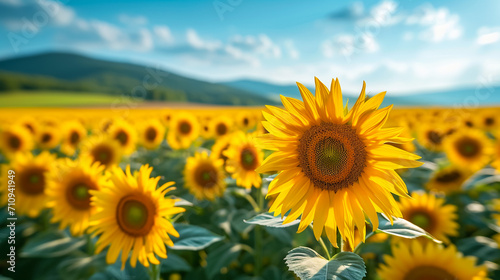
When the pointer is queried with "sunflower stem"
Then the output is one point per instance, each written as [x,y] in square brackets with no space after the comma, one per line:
[254,204]
[175,218]
[258,236]
[90,244]
[323,245]
[154,272]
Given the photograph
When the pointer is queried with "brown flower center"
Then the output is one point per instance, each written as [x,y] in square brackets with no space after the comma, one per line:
[135,214]
[221,129]
[429,273]
[332,156]
[122,137]
[151,134]
[205,175]
[448,177]
[468,147]
[46,137]
[185,127]
[434,137]
[32,180]
[489,121]
[422,219]
[74,138]
[14,142]
[248,159]
[78,194]
[103,153]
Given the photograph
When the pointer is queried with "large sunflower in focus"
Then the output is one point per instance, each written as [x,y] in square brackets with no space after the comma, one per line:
[469,148]
[132,216]
[68,193]
[448,179]
[184,128]
[103,149]
[15,139]
[431,214]
[31,181]
[334,164]
[243,158]
[204,176]
[431,261]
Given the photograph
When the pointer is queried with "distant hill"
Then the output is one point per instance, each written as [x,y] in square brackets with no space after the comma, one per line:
[457,97]
[73,72]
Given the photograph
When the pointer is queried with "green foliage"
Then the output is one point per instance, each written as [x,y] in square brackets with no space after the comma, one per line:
[193,238]
[309,265]
[402,228]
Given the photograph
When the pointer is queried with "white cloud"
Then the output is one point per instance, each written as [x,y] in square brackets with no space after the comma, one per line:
[291,49]
[163,35]
[488,35]
[195,41]
[440,24]
[347,45]
[132,20]
[384,13]
[260,44]
[17,15]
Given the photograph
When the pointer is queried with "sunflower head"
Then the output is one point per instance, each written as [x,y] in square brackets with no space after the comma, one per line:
[221,126]
[69,193]
[327,156]
[15,139]
[183,130]
[448,179]
[416,261]
[243,158]
[469,148]
[32,174]
[133,217]
[151,134]
[48,137]
[73,132]
[432,214]
[220,147]
[204,176]
[124,134]
[245,120]
[431,137]
[101,148]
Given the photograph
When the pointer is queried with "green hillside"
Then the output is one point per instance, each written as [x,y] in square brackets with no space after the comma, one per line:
[71,72]
[54,99]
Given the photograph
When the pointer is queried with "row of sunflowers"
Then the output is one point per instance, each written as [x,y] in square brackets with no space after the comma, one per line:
[316,189]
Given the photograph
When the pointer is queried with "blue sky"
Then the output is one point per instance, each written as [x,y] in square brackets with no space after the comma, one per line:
[399,46]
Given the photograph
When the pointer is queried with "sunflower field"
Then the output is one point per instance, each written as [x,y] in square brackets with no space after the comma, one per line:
[319,188]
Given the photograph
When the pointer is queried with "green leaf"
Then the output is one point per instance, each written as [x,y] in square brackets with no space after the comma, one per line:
[193,238]
[174,263]
[82,267]
[484,248]
[402,228]
[221,257]
[309,265]
[51,244]
[268,220]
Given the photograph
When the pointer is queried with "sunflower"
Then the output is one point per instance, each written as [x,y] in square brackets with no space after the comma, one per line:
[243,157]
[30,123]
[31,181]
[430,261]
[221,126]
[496,154]
[245,120]
[48,137]
[68,193]
[448,179]
[220,146]
[125,134]
[15,139]
[151,134]
[488,121]
[432,214]
[73,132]
[132,215]
[204,176]
[431,137]
[469,148]
[205,130]
[183,130]
[103,149]
[334,164]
